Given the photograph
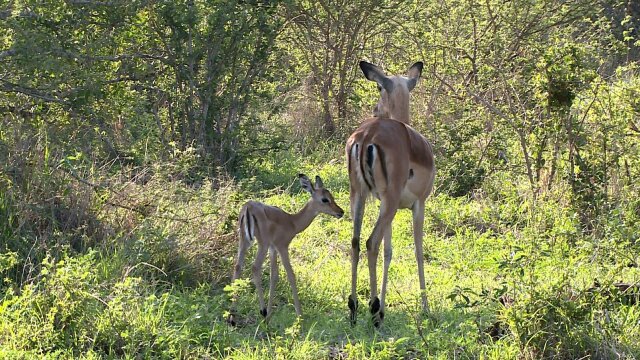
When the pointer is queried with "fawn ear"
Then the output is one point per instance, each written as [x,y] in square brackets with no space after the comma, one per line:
[319,184]
[305,183]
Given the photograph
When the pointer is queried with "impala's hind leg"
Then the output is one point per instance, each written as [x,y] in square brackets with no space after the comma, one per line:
[387,252]
[418,224]
[388,209]
[357,212]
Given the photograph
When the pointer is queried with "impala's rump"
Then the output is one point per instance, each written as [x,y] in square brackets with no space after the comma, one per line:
[374,162]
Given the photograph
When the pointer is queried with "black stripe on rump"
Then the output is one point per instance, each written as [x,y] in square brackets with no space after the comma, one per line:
[370,159]
[363,173]
[383,164]
[249,225]
[349,157]
[242,224]
[255,223]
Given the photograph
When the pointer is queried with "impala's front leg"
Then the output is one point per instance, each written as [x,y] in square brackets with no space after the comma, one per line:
[257,276]
[357,212]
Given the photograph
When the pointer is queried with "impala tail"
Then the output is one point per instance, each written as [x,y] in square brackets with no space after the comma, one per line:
[247,225]
[369,166]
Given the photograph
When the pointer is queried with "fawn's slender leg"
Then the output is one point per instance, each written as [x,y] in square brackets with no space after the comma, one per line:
[418,225]
[257,278]
[273,278]
[243,245]
[284,255]
[242,253]
[357,212]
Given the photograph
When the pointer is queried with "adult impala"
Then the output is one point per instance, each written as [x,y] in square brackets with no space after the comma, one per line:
[390,160]
[274,230]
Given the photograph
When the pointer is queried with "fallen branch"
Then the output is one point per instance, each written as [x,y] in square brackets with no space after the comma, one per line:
[143,211]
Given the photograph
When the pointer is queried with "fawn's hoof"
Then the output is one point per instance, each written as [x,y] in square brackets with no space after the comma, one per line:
[263,312]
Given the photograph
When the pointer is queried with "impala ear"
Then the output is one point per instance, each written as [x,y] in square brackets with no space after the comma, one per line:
[305,183]
[374,73]
[414,74]
[319,184]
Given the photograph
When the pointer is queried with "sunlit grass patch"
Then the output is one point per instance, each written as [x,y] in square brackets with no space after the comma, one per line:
[158,289]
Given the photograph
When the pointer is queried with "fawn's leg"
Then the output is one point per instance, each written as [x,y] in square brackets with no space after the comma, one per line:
[284,255]
[243,245]
[273,278]
[257,276]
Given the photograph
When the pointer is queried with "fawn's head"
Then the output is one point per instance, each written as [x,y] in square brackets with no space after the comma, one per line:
[394,90]
[321,197]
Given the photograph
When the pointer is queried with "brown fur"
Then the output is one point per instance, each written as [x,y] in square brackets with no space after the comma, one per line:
[394,163]
[274,229]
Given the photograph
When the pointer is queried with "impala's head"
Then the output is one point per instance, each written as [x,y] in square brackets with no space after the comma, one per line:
[321,197]
[394,90]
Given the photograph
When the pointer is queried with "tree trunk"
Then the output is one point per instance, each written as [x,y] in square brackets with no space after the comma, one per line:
[328,126]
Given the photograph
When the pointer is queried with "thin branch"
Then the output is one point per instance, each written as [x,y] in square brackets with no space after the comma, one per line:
[6,86]
[476,97]
[98,187]
[7,53]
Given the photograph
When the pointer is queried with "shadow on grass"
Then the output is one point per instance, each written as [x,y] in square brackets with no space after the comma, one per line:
[407,331]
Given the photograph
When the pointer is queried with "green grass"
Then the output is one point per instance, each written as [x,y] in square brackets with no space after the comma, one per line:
[148,294]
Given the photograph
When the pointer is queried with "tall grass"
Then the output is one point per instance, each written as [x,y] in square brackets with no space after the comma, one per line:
[134,264]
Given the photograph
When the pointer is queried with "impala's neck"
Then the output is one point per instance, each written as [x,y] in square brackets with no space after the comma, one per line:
[399,105]
[302,219]
[401,114]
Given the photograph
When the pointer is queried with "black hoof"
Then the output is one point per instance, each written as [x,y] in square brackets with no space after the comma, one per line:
[231,320]
[353,307]
[263,312]
[377,315]
[377,318]
[374,306]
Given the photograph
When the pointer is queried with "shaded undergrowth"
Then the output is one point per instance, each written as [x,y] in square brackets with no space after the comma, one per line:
[136,265]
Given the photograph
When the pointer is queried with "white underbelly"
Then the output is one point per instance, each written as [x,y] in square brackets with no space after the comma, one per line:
[414,188]
[407,198]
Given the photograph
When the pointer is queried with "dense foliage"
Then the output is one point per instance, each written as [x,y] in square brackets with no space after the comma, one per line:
[131,132]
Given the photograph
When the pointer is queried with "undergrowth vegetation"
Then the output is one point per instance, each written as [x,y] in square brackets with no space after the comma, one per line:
[143,269]
[131,133]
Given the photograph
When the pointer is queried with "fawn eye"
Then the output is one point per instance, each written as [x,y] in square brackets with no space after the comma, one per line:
[379,87]
[325,200]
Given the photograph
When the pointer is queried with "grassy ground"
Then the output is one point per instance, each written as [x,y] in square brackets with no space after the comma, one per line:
[157,289]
